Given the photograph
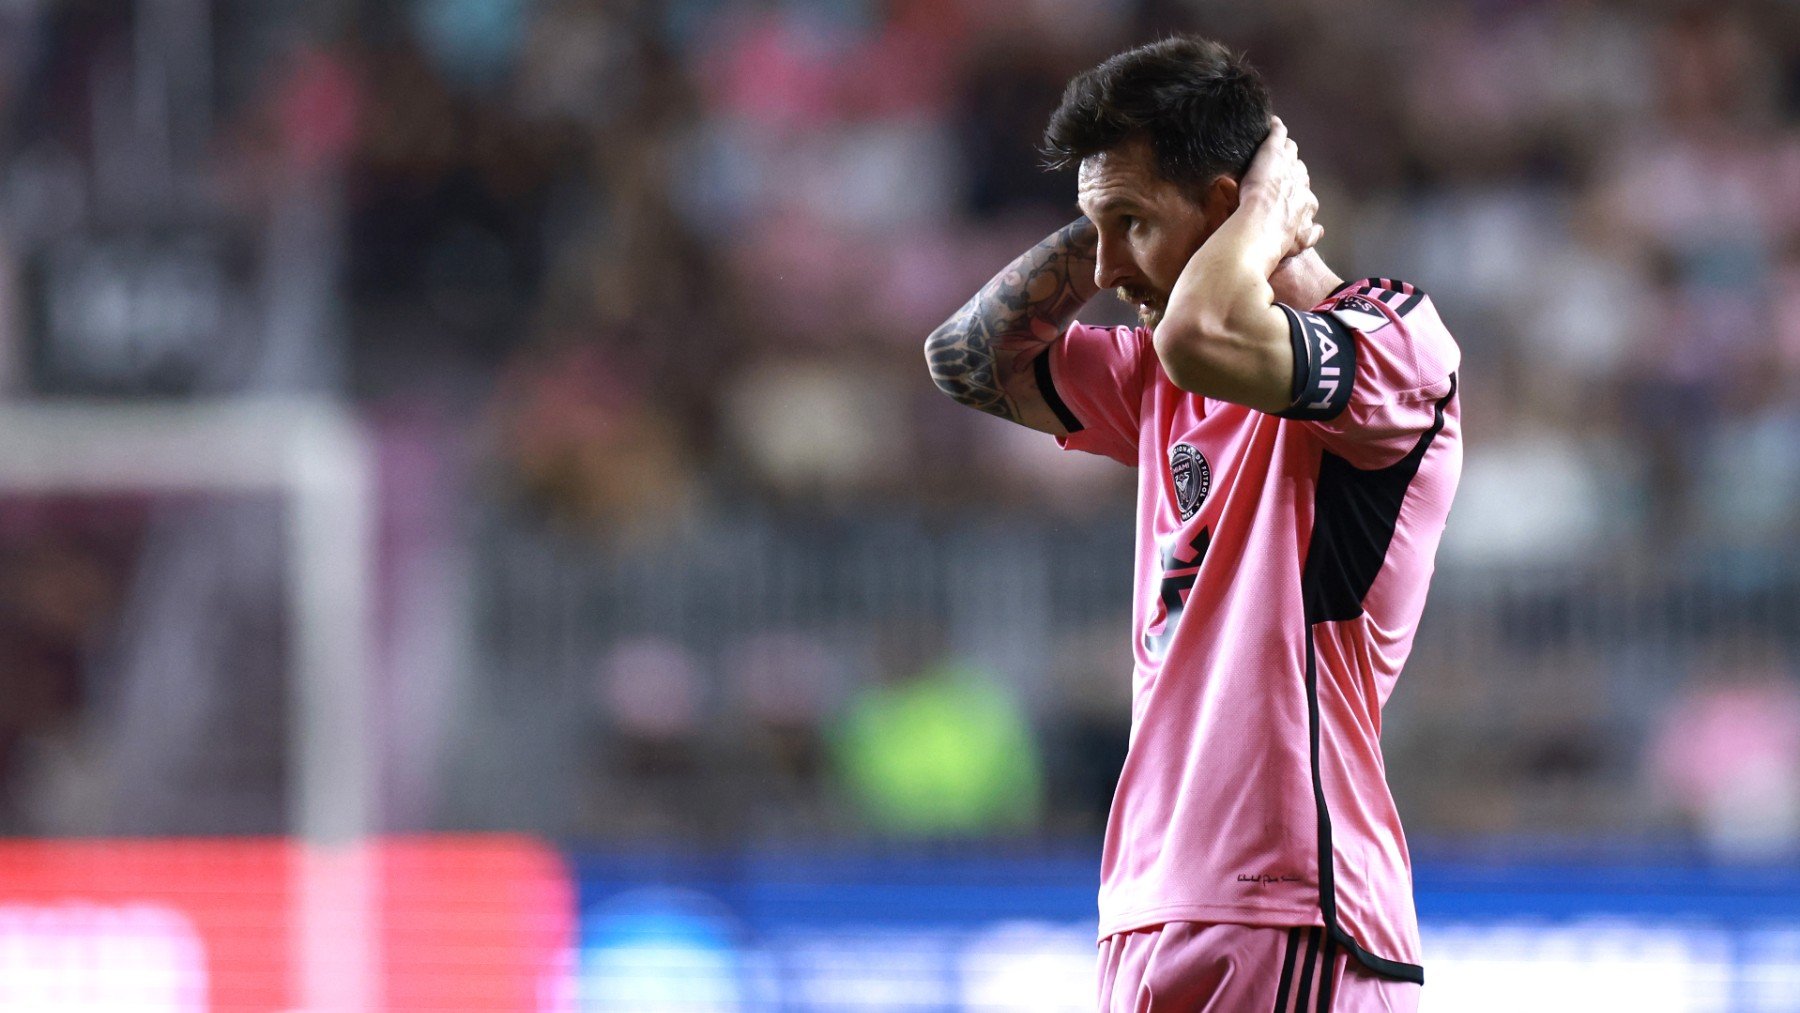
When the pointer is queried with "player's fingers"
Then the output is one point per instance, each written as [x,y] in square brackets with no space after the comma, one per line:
[1275,145]
[1301,239]
[1269,165]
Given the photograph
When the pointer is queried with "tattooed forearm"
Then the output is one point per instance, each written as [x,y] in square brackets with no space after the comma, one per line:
[982,355]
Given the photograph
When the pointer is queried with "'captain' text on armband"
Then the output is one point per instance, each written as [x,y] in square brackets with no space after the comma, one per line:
[1324,365]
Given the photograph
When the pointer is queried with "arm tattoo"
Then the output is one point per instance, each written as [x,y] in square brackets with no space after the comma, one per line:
[977,354]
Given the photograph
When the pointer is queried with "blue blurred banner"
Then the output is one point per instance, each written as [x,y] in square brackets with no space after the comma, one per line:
[949,930]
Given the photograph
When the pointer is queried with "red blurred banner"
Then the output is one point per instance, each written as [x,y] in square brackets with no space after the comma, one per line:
[465,922]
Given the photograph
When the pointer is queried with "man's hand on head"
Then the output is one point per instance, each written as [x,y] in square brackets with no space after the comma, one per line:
[1277,192]
[1223,336]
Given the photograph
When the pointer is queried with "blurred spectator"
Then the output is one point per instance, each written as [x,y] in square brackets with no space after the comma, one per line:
[1086,742]
[789,687]
[586,447]
[943,752]
[1529,495]
[650,699]
[812,427]
[1727,757]
[64,566]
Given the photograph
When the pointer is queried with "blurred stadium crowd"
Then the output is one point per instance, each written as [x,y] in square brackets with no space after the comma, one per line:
[677,537]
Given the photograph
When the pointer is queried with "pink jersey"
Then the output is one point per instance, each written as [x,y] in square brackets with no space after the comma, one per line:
[1282,564]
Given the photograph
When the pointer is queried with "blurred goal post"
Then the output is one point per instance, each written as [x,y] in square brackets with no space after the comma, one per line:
[313,455]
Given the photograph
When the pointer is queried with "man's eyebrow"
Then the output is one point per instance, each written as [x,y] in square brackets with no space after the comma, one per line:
[1107,204]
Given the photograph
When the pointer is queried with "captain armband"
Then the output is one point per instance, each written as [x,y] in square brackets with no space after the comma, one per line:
[1324,365]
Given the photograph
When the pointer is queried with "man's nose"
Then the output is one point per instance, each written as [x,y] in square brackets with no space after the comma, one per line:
[1111,266]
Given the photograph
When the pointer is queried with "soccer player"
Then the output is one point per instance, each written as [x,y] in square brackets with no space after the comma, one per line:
[1297,445]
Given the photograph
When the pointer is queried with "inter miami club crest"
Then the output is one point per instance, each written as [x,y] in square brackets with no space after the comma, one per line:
[1192,478]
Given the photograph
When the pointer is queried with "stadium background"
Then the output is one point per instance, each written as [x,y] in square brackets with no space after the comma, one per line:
[713,660]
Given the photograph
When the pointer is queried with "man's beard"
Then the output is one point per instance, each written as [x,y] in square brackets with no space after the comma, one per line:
[1149,307]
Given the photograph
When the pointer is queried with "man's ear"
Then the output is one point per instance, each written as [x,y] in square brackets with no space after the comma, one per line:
[1218,201]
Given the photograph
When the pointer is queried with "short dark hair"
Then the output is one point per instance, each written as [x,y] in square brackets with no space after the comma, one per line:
[1203,109]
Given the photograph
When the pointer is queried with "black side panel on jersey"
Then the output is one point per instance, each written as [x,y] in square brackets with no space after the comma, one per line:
[1324,365]
[1354,514]
[1041,369]
[1395,969]
[1353,523]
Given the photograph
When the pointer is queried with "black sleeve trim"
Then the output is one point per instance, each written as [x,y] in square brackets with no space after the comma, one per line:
[1324,365]
[1041,367]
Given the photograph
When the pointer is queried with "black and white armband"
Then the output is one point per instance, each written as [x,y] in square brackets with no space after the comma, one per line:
[1324,365]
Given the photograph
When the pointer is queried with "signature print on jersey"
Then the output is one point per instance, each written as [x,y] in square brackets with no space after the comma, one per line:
[1193,477]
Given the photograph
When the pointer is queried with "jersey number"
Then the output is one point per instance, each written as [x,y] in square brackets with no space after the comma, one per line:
[1179,574]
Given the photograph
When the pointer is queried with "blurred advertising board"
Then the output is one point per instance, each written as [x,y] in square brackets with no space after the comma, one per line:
[948,931]
[208,924]
[504,923]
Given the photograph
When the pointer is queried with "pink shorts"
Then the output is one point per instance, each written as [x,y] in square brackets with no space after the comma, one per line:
[1193,967]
